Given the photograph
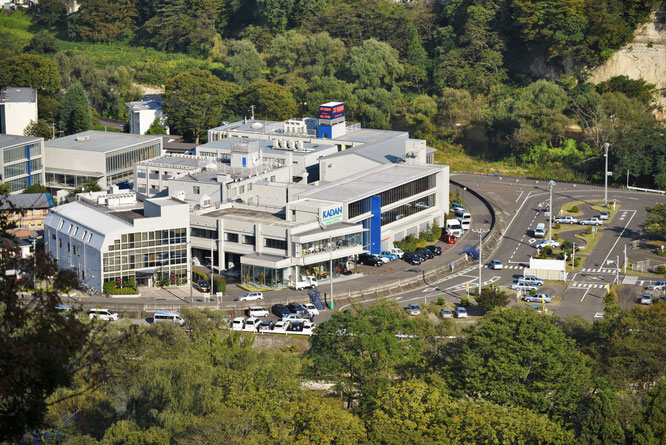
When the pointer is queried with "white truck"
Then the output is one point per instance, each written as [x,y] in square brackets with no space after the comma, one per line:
[305,283]
[453,227]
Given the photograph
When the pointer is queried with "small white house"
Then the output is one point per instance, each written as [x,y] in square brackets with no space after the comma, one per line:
[18,106]
[142,113]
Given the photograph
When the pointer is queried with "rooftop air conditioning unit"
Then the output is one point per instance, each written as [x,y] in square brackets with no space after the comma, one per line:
[82,138]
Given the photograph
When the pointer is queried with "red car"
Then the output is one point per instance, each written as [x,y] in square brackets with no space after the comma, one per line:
[448,239]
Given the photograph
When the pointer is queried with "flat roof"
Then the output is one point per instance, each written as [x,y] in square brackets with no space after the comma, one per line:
[7,140]
[266,146]
[375,181]
[99,141]
[165,201]
[169,160]
[251,215]
[18,95]
[96,219]
[144,105]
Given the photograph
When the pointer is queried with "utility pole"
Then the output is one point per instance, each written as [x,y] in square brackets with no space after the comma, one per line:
[625,259]
[189,267]
[573,256]
[212,271]
[617,269]
[551,183]
[251,112]
[480,232]
[606,145]
[627,178]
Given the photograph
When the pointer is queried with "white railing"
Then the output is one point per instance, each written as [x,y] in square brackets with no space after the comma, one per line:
[640,189]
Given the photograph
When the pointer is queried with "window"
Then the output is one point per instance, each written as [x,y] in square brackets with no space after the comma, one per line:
[53,236]
[275,243]
[67,247]
[76,229]
[248,239]
[203,233]
[249,187]
[60,243]
[231,237]
[272,178]
[196,189]
[241,189]
[89,237]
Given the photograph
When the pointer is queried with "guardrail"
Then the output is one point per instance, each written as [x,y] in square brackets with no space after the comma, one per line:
[640,189]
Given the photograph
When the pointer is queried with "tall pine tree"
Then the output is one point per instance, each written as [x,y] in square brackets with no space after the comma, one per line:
[75,115]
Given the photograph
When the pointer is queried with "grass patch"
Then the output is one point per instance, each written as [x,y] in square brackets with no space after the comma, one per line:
[590,239]
[613,212]
[649,272]
[458,160]
[248,288]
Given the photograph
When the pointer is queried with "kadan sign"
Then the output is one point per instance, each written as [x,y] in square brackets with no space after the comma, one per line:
[331,215]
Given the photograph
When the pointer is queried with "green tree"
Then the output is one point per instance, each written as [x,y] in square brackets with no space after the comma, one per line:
[105,20]
[89,186]
[274,14]
[457,109]
[655,222]
[244,62]
[43,43]
[156,127]
[373,64]
[30,70]
[491,297]
[39,128]
[5,189]
[601,424]
[632,88]
[75,115]
[650,427]
[416,54]
[359,350]
[35,188]
[519,357]
[195,101]
[271,101]
[52,12]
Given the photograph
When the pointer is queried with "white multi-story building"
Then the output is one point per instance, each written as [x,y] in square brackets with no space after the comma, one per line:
[18,106]
[106,157]
[111,237]
[22,161]
[142,114]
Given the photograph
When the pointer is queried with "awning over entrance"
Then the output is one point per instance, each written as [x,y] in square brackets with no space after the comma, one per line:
[272,261]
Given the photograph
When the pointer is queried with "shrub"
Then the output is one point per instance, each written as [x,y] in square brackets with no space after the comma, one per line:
[574,209]
[441,301]
[492,297]
[548,250]
[220,285]
[110,287]
[588,230]
[556,237]
[557,226]
[661,269]
[566,245]
[464,301]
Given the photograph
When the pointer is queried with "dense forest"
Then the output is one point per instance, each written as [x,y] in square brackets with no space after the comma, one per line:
[514,377]
[494,85]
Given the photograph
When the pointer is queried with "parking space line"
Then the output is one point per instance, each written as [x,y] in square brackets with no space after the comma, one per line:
[620,236]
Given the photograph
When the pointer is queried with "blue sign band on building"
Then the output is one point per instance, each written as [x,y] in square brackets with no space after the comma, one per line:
[376,225]
[27,152]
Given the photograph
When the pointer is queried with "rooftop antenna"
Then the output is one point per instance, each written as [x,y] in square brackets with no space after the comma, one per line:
[252,111]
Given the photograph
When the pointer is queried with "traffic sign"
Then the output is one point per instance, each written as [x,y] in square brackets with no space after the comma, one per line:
[467,285]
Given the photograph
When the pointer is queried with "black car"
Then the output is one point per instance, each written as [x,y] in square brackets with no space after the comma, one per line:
[296,308]
[280,310]
[412,258]
[369,260]
[436,250]
[424,253]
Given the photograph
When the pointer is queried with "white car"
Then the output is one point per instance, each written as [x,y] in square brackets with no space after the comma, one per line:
[547,242]
[396,251]
[461,312]
[657,285]
[604,215]
[281,326]
[496,264]
[565,219]
[251,324]
[293,317]
[238,324]
[522,285]
[532,279]
[591,221]
[251,296]
[102,314]
[312,310]
[256,311]
[382,258]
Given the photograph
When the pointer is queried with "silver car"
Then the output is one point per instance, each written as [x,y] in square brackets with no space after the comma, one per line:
[657,285]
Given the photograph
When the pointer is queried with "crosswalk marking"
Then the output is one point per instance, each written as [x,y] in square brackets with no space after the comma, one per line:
[600,270]
[588,285]
[508,267]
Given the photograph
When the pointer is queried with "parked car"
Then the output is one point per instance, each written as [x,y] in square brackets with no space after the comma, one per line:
[414,309]
[448,239]
[496,264]
[171,317]
[296,308]
[604,215]
[532,279]
[412,258]
[428,254]
[398,252]
[421,255]
[389,255]
[102,314]
[281,326]
[256,311]
[565,219]
[311,308]
[535,307]
[657,285]
[383,259]
[523,286]
[203,286]
[369,260]
[237,324]
[280,310]
[547,242]
[647,299]
[436,250]
[538,298]
[251,296]
[251,324]
[446,313]
[461,312]
[265,325]
[293,317]
[592,221]
[455,206]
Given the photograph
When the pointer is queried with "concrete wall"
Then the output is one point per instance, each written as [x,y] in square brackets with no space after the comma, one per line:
[18,115]
[344,166]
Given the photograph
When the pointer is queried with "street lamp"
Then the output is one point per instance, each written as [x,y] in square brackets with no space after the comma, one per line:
[322,226]
[551,183]
[480,232]
[606,145]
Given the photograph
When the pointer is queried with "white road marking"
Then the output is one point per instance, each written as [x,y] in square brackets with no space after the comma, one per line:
[588,289]
[619,237]
[521,194]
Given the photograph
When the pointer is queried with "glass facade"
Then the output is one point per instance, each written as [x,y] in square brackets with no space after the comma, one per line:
[338,242]
[67,180]
[203,233]
[263,276]
[160,253]
[21,183]
[126,158]
[273,243]
[408,209]
[395,194]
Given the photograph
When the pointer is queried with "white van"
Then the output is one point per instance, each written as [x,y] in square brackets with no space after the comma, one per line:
[102,314]
[465,224]
[453,227]
[171,317]
[251,324]
[540,231]
[462,215]
[238,324]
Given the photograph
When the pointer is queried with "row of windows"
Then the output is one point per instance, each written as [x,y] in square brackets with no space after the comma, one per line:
[127,158]
[140,261]
[16,153]
[395,194]
[408,209]
[67,180]
[275,243]
[73,230]
[21,183]
[22,168]
[149,239]
[203,233]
